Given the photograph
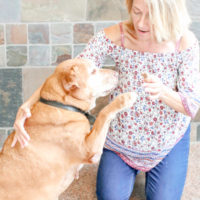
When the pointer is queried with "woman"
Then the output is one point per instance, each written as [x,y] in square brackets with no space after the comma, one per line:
[153,135]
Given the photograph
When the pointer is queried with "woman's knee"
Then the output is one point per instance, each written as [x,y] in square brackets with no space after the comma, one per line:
[115,179]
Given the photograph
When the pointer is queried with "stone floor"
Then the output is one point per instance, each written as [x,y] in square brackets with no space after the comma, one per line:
[84,188]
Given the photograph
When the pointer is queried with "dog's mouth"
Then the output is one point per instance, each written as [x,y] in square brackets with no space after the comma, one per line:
[106,92]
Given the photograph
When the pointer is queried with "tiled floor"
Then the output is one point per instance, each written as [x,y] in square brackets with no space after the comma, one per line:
[84,188]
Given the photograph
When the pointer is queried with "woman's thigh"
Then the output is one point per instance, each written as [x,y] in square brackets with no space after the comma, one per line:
[115,179]
[166,180]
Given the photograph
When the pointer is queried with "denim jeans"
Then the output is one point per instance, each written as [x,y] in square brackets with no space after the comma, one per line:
[115,179]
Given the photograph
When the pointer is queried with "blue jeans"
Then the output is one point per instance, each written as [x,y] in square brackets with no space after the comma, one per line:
[115,179]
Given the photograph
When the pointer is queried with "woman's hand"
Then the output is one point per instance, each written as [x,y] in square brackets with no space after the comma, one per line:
[21,135]
[153,86]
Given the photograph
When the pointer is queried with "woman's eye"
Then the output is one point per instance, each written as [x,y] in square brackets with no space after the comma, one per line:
[136,13]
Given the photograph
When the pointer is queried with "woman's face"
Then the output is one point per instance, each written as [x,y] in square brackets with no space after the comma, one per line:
[140,19]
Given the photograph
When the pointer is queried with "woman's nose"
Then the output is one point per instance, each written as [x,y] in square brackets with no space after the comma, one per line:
[141,22]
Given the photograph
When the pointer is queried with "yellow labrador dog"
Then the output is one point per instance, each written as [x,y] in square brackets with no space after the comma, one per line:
[61,139]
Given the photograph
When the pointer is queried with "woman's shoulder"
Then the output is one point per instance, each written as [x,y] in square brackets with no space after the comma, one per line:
[187,40]
[113,33]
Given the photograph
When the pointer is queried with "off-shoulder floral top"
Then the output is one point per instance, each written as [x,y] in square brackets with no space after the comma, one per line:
[145,133]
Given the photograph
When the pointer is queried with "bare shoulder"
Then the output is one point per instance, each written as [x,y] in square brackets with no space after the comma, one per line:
[113,33]
[187,40]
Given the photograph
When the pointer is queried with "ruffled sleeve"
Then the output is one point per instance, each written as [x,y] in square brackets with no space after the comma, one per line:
[96,50]
[189,79]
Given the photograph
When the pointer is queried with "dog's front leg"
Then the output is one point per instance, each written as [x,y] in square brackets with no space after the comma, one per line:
[96,138]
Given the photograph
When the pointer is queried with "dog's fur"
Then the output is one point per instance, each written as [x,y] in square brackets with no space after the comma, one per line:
[61,140]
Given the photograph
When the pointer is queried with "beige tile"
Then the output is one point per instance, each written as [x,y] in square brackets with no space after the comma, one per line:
[34,78]
[67,10]
[52,10]
[83,32]
[197,118]
[84,187]
[1,34]
[191,190]
[193,133]
[16,33]
[106,10]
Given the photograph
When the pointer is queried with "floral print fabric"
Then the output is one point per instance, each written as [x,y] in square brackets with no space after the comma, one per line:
[145,133]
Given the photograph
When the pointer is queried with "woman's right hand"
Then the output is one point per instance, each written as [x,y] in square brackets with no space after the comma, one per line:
[21,135]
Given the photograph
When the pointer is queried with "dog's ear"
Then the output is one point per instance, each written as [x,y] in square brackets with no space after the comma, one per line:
[70,80]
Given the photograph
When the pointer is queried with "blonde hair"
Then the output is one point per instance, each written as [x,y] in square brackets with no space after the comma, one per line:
[168,18]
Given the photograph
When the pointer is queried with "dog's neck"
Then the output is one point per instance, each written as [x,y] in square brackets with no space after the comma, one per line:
[66,99]
[57,93]
[82,104]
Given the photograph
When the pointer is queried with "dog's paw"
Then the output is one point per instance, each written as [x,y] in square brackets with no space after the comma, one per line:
[126,100]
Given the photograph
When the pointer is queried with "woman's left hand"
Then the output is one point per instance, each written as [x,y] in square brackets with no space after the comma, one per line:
[153,86]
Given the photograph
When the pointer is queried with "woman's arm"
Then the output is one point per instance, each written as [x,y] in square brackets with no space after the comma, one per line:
[156,89]
[22,114]
[187,97]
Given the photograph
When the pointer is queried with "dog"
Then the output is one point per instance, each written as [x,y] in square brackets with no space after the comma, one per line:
[61,138]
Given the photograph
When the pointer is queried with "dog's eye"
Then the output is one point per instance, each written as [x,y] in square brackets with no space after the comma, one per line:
[94,71]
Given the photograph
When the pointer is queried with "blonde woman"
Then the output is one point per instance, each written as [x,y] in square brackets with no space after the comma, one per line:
[153,135]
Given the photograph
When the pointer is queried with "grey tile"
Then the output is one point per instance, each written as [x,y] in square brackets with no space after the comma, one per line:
[9,131]
[3,136]
[2,56]
[38,33]
[61,33]
[10,11]
[193,8]
[39,55]
[78,49]
[16,55]
[10,95]
[61,53]
[195,28]
[109,61]
[101,26]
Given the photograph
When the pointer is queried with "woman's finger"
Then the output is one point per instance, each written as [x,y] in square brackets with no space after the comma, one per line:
[14,141]
[152,91]
[153,97]
[27,112]
[151,85]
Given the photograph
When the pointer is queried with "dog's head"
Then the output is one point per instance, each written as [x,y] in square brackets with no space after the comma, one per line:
[82,80]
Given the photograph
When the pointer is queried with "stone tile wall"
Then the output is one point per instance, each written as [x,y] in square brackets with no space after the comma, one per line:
[36,35]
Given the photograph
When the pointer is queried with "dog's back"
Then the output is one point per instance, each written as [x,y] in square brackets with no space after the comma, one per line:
[39,169]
